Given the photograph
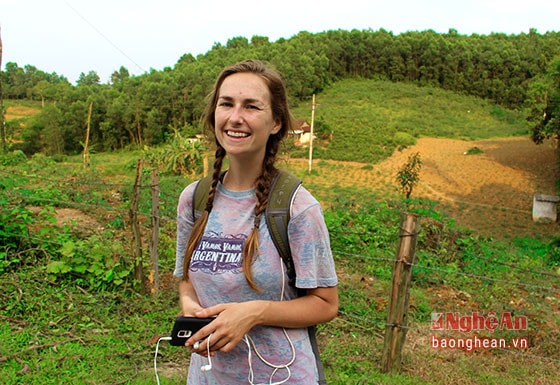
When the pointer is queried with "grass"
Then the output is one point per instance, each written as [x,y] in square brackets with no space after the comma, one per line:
[21,109]
[56,328]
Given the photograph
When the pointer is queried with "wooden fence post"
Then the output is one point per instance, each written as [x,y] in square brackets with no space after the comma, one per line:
[136,238]
[395,328]
[154,241]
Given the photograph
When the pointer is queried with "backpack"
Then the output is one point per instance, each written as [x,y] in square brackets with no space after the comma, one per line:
[277,215]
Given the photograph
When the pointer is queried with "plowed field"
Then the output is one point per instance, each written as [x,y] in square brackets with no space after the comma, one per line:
[490,192]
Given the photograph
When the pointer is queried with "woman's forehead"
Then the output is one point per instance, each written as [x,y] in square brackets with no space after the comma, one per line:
[244,85]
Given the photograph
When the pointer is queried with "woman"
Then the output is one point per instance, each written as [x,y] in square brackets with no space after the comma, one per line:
[259,333]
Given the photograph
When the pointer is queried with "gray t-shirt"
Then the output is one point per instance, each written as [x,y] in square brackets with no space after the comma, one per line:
[217,276]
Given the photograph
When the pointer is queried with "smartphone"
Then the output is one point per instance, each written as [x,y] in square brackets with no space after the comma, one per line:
[185,327]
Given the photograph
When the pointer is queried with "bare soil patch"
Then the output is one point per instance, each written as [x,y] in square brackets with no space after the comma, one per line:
[18,112]
[75,219]
[490,192]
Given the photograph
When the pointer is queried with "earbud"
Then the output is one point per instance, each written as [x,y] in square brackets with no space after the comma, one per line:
[207,368]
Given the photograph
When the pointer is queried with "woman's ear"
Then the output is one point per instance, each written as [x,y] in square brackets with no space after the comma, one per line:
[277,127]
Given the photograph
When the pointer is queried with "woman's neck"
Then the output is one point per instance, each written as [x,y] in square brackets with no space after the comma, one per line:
[241,177]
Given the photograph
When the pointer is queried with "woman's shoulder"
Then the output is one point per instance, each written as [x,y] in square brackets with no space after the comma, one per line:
[186,197]
[303,201]
[188,191]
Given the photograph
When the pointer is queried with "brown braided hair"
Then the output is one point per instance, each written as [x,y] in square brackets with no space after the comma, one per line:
[280,112]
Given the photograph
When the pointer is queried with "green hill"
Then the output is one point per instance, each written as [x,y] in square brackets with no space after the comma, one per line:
[365,120]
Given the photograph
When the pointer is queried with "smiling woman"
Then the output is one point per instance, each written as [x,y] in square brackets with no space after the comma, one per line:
[247,291]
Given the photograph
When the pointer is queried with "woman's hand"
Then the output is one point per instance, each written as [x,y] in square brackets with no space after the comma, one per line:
[233,321]
[188,299]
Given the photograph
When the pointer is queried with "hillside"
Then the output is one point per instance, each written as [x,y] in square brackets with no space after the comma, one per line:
[361,124]
[365,120]
[490,192]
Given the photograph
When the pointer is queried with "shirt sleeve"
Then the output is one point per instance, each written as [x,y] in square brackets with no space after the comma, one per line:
[310,243]
[185,221]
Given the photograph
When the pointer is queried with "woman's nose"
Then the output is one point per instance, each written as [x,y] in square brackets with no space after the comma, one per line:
[236,115]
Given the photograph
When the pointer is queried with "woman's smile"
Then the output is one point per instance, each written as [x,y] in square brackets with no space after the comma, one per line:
[237,134]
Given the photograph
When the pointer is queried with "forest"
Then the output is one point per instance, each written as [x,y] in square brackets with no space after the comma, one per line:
[518,72]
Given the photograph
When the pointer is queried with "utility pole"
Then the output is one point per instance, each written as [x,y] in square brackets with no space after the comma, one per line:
[86,144]
[2,121]
[311,134]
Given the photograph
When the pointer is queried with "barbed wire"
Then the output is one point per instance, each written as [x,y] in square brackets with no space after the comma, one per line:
[60,203]
[518,268]
[362,321]
[486,278]
[124,212]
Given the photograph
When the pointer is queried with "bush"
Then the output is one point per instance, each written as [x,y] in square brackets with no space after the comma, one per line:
[13,158]
[403,140]
[408,176]
[92,262]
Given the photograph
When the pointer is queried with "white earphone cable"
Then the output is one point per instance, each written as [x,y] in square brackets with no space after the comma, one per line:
[250,346]
[208,367]
[250,343]
[155,355]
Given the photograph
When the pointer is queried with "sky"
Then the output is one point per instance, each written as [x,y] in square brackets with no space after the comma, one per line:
[74,36]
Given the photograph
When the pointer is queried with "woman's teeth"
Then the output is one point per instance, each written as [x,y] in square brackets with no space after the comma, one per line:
[237,134]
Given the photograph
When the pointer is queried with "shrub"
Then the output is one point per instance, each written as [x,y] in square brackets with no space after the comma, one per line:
[403,140]
[408,176]
[13,158]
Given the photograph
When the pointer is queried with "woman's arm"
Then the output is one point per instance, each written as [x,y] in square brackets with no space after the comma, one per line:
[317,306]
[188,300]
[234,320]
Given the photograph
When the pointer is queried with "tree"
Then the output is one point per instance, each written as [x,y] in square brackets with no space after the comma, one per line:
[41,90]
[118,78]
[51,119]
[544,103]
[408,176]
[92,78]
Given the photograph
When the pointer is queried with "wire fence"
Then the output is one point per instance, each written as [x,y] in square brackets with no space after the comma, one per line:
[110,201]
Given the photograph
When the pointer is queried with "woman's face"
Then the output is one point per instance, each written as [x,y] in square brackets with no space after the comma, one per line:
[243,116]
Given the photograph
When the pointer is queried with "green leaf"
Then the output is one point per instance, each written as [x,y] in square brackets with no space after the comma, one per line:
[67,249]
[58,267]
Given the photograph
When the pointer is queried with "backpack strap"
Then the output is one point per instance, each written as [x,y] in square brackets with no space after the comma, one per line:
[312,331]
[200,196]
[277,214]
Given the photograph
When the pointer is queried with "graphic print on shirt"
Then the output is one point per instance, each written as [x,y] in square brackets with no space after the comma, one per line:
[218,253]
